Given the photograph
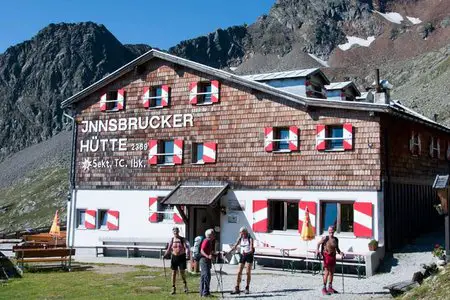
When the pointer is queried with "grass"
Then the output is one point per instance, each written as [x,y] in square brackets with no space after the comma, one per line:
[435,287]
[90,284]
[32,202]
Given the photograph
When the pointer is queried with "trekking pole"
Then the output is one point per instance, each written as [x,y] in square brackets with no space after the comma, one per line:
[342,260]
[164,266]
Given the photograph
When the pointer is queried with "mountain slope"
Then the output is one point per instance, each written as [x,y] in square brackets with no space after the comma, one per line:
[36,75]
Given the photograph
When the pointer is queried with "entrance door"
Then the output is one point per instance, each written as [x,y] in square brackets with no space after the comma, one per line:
[206,218]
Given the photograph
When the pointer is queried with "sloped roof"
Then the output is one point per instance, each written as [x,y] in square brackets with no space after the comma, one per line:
[342,85]
[281,75]
[255,85]
[195,194]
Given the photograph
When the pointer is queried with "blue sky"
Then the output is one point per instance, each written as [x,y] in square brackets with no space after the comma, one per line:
[155,22]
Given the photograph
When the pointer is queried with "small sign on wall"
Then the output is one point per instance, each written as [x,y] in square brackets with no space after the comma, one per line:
[232,218]
[235,204]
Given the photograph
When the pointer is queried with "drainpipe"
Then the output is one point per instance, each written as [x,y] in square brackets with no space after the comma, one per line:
[70,227]
[387,187]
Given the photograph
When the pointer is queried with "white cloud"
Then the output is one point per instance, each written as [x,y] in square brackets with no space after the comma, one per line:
[353,40]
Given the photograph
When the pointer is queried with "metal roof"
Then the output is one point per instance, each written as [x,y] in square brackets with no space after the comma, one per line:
[281,75]
[338,85]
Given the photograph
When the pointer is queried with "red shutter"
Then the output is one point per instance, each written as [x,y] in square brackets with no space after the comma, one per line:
[260,216]
[120,99]
[193,93]
[89,219]
[320,137]
[164,95]
[215,85]
[363,219]
[348,136]
[293,138]
[112,221]
[209,152]
[152,152]
[178,152]
[311,205]
[177,217]
[268,139]
[153,208]
[103,102]
[146,95]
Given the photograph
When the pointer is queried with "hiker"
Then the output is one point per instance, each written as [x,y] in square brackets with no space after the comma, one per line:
[246,248]
[329,246]
[179,249]
[196,255]
[207,254]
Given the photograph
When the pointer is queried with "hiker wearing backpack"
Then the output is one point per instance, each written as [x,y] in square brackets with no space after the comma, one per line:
[329,246]
[196,254]
[246,249]
[207,254]
[178,250]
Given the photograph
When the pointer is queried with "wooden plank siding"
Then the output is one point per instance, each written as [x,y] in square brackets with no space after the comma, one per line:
[237,125]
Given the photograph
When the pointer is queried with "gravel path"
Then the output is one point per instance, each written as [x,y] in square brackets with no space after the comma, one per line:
[276,284]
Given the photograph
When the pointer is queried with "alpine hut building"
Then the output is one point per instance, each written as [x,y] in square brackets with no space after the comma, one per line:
[164,140]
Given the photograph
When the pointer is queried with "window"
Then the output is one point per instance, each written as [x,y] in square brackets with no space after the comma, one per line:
[435,151]
[337,214]
[315,90]
[204,93]
[335,138]
[81,217]
[414,143]
[197,153]
[111,101]
[102,219]
[155,97]
[165,152]
[281,139]
[165,211]
[283,215]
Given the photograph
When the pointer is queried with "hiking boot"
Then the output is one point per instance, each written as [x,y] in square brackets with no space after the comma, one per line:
[186,290]
[236,291]
[332,291]
[325,292]
[247,290]
[174,291]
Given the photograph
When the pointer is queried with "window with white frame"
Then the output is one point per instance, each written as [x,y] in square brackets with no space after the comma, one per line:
[165,152]
[204,93]
[281,139]
[435,151]
[165,211]
[335,137]
[283,215]
[81,218]
[102,218]
[338,214]
[112,102]
[414,143]
[155,96]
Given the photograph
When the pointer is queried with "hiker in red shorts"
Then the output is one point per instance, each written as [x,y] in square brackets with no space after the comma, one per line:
[330,245]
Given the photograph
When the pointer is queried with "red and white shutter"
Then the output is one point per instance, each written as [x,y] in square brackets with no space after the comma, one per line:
[164,95]
[215,85]
[363,219]
[293,138]
[348,136]
[177,217]
[193,93]
[112,220]
[209,152]
[120,99]
[153,208]
[103,102]
[89,219]
[260,216]
[152,152]
[320,137]
[311,205]
[178,152]
[146,95]
[268,139]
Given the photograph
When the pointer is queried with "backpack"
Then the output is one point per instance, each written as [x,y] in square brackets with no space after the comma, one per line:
[197,246]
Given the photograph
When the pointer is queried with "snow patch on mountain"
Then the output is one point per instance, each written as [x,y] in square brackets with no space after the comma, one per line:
[354,40]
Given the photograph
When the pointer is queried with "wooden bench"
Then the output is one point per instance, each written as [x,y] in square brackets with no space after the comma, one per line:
[130,245]
[37,255]
[101,249]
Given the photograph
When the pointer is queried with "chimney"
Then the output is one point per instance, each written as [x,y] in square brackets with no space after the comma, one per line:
[381,94]
[378,87]
[435,117]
